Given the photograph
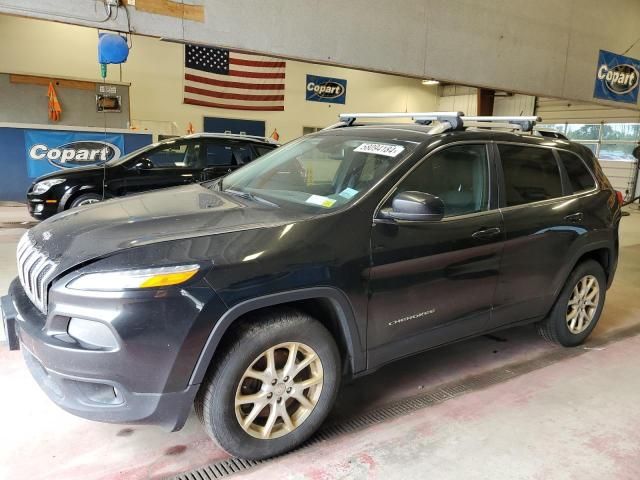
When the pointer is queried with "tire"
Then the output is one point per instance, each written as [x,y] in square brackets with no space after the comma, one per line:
[563,326]
[85,199]
[290,331]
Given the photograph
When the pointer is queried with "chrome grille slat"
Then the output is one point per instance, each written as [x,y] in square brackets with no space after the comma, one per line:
[35,274]
[20,275]
[42,283]
[21,260]
[27,265]
[22,256]
[34,270]
[22,248]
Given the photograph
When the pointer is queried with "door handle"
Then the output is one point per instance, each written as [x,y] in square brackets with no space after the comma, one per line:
[574,217]
[486,233]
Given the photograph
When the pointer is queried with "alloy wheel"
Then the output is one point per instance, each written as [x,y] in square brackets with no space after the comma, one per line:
[88,201]
[279,390]
[583,304]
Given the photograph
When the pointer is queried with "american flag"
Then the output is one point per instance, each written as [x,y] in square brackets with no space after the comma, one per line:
[220,78]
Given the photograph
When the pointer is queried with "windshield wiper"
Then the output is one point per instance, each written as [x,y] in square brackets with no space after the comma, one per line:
[250,196]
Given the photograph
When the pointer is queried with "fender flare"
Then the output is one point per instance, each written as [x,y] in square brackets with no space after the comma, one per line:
[590,247]
[346,320]
[72,192]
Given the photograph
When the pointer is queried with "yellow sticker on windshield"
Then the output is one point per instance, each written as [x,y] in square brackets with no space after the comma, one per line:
[320,200]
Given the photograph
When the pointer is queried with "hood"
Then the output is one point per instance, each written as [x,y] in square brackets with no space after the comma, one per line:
[72,172]
[86,233]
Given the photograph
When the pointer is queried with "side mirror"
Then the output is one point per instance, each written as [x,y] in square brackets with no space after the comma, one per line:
[143,164]
[415,206]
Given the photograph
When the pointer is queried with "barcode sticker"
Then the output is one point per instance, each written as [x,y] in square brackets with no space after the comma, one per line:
[380,149]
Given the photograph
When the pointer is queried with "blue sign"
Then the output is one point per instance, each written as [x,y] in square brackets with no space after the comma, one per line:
[617,78]
[47,151]
[19,169]
[326,89]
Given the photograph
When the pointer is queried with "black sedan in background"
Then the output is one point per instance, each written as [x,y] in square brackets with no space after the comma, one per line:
[178,161]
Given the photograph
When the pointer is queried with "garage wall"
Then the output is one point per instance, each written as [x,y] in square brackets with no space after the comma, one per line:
[24,102]
[456,98]
[516,104]
[555,110]
[465,99]
[545,47]
[155,71]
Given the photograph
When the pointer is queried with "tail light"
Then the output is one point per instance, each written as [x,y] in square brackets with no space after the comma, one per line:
[620,198]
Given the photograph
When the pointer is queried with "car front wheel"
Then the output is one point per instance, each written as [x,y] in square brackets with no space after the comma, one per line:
[272,387]
[85,199]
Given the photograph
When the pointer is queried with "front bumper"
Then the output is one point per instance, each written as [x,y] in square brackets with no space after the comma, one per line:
[108,401]
[136,381]
[9,317]
[41,208]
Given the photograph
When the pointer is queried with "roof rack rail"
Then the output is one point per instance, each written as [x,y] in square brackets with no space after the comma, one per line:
[424,118]
[447,120]
[525,123]
[233,135]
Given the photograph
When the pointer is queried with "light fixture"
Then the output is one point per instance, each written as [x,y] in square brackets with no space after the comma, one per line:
[118,280]
[430,82]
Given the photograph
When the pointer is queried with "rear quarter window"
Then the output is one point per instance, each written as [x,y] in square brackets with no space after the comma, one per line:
[579,176]
[261,150]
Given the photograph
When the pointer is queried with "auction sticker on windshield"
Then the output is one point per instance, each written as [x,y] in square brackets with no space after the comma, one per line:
[320,200]
[380,149]
[348,193]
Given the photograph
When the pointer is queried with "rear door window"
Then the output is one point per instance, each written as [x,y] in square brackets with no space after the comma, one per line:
[227,155]
[579,176]
[531,174]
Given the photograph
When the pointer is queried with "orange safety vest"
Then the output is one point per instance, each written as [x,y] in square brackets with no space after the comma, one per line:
[54,105]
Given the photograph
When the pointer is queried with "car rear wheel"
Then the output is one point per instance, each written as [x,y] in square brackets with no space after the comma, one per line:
[578,307]
[272,387]
[86,199]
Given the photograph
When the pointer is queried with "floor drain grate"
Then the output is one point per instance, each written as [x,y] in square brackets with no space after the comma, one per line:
[220,469]
[442,393]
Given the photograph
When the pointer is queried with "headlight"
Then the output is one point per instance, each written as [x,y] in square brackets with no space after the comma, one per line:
[45,185]
[132,279]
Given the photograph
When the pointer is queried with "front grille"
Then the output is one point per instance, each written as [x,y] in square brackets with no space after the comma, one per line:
[35,271]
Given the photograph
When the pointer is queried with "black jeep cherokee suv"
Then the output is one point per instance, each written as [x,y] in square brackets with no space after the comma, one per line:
[255,294]
[176,161]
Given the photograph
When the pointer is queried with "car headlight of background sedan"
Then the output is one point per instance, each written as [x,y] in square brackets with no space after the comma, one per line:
[115,281]
[45,185]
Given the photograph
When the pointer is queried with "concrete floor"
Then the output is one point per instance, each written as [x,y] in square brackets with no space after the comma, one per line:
[578,418]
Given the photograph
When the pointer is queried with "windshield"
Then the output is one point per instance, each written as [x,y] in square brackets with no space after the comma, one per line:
[319,172]
[118,161]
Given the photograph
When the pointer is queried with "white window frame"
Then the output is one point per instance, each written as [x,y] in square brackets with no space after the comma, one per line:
[600,141]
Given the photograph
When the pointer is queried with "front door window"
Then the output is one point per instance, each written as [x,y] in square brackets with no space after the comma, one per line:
[177,155]
[458,175]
